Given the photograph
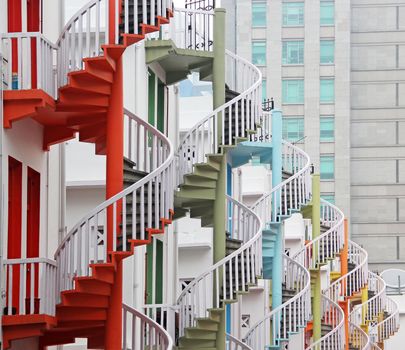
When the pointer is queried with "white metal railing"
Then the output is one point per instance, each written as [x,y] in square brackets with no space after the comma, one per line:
[290,317]
[141,332]
[356,279]
[193,29]
[358,338]
[369,311]
[164,315]
[87,241]
[233,343]
[225,277]
[290,194]
[389,325]
[29,286]
[204,139]
[326,246]
[88,30]
[332,315]
[20,72]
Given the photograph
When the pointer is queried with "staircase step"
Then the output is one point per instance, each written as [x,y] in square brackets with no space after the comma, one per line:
[91,285]
[74,298]
[198,333]
[71,313]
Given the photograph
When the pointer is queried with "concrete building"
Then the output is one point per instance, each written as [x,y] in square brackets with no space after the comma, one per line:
[336,69]
[378,130]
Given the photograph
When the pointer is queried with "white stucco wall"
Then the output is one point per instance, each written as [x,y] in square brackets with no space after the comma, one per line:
[23,142]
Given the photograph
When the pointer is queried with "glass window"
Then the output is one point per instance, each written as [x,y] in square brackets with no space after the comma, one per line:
[259,14]
[327,93]
[327,167]
[293,14]
[259,53]
[293,52]
[327,129]
[264,89]
[327,51]
[329,198]
[327,13]
[293,129]
[293,91]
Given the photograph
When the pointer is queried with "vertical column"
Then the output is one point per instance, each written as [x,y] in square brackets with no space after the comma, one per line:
[276,170]
[114,185]
[218,87]
[316,231]
[344,269]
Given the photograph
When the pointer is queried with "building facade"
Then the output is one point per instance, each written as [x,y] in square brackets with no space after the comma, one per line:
[336,71]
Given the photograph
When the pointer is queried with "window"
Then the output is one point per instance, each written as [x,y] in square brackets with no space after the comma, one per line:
[264,89]
[293,14]
[293,91]
[327,51]
[329,198]
[259,53]
[293,52]
[293,129]
[327,129]
[327,93]
[259,14]
[327,13]
[327,167]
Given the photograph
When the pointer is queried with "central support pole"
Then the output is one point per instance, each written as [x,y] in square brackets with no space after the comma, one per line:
[316,231]
[344,269]
[276,178]
[114,185]
[218,87]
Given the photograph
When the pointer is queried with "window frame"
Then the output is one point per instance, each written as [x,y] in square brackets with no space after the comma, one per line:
[285,15]
[265,17]
[285,49]
[325,156]
[323,101]
[320,52]
[265,52]
[285,81]
[323,118]
[300,128]
[328,2]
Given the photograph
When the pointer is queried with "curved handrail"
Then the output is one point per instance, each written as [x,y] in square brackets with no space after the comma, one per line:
[296,310]
[195,298]
[358,337]
[145,333]
[88,30]
[203,139]
[374,306]
[354,280]
[236,344]
[85,241]
[334,316]
[389,325]
[294,159]
[314,253]
[296,276]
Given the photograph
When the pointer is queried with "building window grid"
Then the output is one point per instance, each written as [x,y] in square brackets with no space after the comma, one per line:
[327,167]
[293,129]
[293,14]
[259,14]
[327,129]
[293,52]
[293,91]
[327,52]
[327,13]
[329,197]
[259,53]
[327,90]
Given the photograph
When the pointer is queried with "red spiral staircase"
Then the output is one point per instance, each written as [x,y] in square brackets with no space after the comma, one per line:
[93,307]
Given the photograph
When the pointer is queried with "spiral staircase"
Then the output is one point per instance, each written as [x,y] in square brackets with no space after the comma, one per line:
[74,295]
